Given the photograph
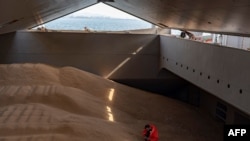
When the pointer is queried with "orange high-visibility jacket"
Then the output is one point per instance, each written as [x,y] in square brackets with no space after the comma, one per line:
[153,134]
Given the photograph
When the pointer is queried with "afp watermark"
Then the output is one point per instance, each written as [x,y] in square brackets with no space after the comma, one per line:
[237,133]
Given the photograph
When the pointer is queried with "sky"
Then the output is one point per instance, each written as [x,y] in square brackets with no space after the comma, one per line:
[102,10]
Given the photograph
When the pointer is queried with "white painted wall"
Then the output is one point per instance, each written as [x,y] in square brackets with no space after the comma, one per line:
[236,42]
[205,64]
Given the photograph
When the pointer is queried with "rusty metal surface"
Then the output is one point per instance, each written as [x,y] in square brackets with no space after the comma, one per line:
[223,16]
[16,14]
[220,16]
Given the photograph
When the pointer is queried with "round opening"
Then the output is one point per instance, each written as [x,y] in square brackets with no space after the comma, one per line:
[218,81]
[200,73]
[228,85]
[240,91]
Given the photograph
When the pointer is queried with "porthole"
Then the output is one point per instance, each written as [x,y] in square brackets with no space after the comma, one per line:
[241,91]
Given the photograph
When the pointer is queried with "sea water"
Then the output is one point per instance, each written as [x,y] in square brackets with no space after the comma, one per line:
[97,23]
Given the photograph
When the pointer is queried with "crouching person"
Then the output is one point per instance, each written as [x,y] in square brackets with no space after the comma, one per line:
[150,133]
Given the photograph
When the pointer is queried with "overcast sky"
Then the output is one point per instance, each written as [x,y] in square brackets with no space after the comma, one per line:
[104,10]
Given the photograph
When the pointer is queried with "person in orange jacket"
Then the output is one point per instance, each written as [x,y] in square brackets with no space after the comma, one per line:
[150,133]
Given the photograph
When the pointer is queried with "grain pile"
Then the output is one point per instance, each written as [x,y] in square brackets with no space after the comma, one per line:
[40,102]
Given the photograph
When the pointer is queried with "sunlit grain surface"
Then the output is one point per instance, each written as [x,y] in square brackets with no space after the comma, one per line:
[40,102]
